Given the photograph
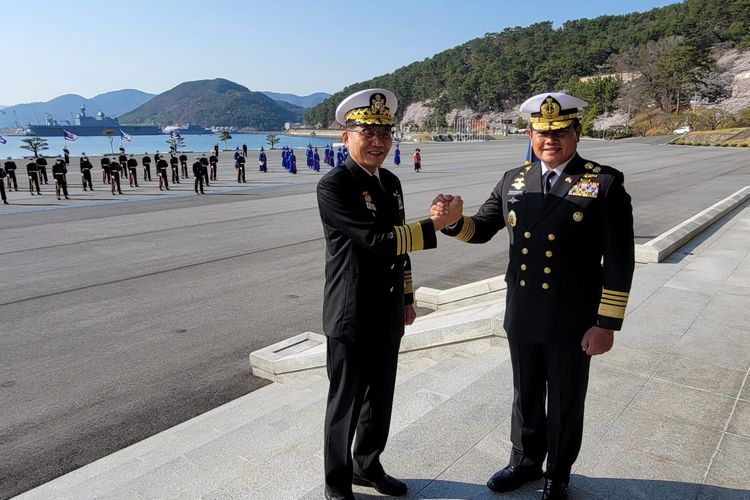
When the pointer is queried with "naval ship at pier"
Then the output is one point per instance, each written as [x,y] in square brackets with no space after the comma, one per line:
[89,126]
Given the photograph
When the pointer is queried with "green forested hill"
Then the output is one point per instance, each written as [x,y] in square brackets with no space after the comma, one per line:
[215,102]
[502,69]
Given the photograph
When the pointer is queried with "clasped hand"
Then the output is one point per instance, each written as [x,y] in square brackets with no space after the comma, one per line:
[446,209]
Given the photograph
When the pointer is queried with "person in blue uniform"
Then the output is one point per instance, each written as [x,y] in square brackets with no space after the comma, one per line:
[10,170]
[85,165]
[316,161]
[570,225]
[309,156]
[262,160]
[292,161]
[397,156]
[339,157]
[368,291]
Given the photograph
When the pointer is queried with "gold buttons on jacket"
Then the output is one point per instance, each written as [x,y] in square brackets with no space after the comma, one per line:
[527,235]
[548,253]
[547,270]
[523,267]
[524,250]
[551,237]
[522,283]
[545,286]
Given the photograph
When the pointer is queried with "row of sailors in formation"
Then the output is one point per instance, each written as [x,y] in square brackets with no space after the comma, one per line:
[204,170]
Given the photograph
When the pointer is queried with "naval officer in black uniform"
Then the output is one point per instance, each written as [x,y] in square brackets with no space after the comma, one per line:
[570,224]
[368,293]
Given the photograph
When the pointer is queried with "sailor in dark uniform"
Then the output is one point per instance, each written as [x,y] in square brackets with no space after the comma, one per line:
[216,150]
[198,175]
[146,161]
[2,185]
[262,161]
[105,170]
[123,159]
[10,169]
[66,155]
[368,293]
[570,225]
[204,170]
[114,176]
[32,169]
[183,165]
[61,183]
[213,161]
[42,164]
[133,167]
[244,149]
[161,171]
[86,167]
[174,164]
[241,168]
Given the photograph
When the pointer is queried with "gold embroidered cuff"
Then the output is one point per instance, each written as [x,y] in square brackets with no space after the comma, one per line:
[409,238]
[467,231]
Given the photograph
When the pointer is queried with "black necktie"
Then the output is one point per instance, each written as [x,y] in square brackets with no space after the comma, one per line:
[550,179]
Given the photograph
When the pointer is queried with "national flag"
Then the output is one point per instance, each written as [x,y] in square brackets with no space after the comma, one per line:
[2,139]
[174,135]
[69,136]
[125,136]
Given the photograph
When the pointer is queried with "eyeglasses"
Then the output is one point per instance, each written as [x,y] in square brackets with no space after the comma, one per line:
[371,133]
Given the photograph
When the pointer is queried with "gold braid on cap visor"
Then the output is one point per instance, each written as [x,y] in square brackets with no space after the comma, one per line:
[366,116]
[556,123]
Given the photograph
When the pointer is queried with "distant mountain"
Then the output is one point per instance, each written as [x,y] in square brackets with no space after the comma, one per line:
[307,101]
[65,107]
[217,102]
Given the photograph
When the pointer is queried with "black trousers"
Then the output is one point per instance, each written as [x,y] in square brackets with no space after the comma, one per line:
[198,183]
[147,172]
[62,185]
[43,174]
[34,182]
[12,180]
[115,181]
[360,398]
[86,179]
[2,191]
[133,176]
[557,374]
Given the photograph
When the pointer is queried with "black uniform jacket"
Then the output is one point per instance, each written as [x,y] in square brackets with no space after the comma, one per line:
[367,271]
[571,252]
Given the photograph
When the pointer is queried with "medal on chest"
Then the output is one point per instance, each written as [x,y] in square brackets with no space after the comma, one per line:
[368,201]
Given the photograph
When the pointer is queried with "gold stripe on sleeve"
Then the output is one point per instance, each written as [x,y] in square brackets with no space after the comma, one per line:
[467,231]
[417,238]
[614,292]
[612,311]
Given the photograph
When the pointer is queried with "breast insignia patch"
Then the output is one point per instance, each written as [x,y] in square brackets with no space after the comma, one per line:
[512,218]
[368,201]
[578,216]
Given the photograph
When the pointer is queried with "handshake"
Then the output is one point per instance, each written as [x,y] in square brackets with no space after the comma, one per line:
[446,210]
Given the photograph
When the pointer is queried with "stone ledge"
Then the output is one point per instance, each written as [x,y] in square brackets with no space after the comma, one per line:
[304,355]
[471,293]
[668,242]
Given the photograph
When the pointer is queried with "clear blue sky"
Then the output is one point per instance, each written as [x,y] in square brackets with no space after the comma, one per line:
[88,47]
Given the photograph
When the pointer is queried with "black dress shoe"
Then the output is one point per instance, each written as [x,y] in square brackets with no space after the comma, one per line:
[383,483]
[555,490]
[512,477]
[346,496]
